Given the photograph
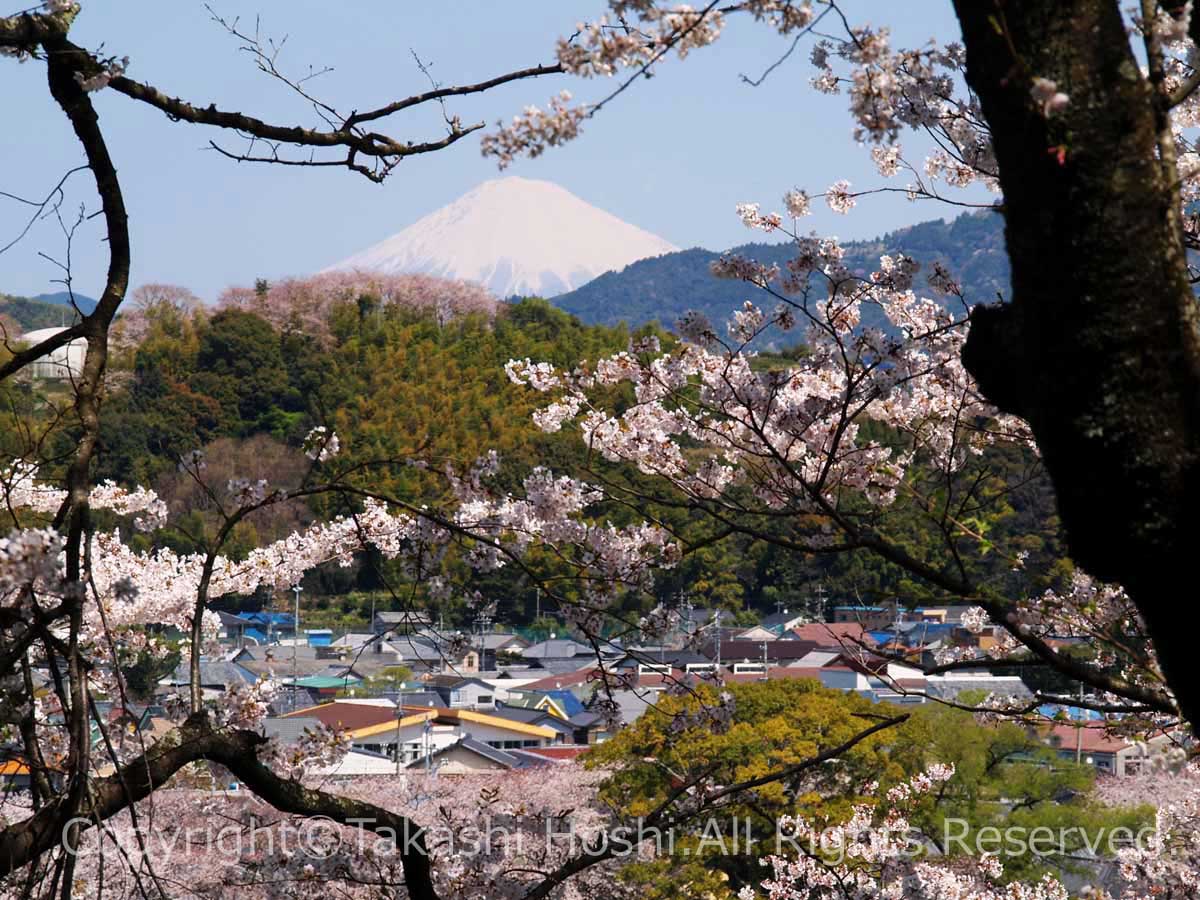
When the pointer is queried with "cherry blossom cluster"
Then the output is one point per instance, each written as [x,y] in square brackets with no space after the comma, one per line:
[1100,614]
[791,434]
[1048,97]
[491,835]
[307,303]
[1165,866]
[634,35]
[22,490]
[29,556]
[890,90]
[321,444]
[246,705]
[113,68]
[608,558]
[876,853]
[530,133]
[605,47]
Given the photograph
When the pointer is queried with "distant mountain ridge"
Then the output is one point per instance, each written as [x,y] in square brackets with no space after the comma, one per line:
[63,298]
[515,236]
[664,288]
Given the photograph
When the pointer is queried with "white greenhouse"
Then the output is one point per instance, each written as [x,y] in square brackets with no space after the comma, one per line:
[64,362]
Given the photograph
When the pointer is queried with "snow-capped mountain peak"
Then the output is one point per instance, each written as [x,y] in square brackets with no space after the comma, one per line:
[516,236]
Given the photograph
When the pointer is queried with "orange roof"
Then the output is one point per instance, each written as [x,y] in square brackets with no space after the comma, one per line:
[351,716]
[1095,738]
[565,680]
[13,767]
[833,634]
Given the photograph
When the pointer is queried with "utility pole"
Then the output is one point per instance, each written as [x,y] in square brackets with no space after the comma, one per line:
[1079,730]
[485,626]
[717,616]
[295,637]
[428,747]
[820,595]
[399,717]
[765,677]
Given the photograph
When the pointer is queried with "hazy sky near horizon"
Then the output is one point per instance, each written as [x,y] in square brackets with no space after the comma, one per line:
[672,155]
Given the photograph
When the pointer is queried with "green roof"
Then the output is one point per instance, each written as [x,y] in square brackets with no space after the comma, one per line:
[318,682]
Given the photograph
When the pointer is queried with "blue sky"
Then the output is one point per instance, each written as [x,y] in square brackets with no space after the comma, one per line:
[672,156]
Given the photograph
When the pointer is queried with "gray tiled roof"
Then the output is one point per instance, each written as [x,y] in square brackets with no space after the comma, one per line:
[289,730]
[558,648]
[562,666]
[213,672]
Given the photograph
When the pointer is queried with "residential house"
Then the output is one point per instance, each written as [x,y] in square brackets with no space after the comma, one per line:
[468,756]
[1089,743]
[457,692]
[14,774]
[753,633]
[429,653]
[831,634]
[503,642]
[784,620]
[407,621]
[870,617]
[758,652]
[316,688]
[267,627]
[890,683]
[216,676]
[564,729]
[948,685]
[348,713]
[379,726]
[660,660]
[556,702]
[558,655]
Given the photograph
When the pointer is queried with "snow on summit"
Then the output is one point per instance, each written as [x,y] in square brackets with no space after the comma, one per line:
[516,236]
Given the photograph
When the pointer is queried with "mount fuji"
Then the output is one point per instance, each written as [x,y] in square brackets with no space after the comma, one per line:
[516,236]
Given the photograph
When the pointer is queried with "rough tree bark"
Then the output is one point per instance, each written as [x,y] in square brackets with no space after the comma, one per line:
[1098,349]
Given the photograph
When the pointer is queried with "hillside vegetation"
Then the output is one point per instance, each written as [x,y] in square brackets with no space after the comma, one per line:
[414,387]
[665,287]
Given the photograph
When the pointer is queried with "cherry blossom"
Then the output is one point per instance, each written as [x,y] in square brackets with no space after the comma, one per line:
[321,444]
[876,854]
[1046,94]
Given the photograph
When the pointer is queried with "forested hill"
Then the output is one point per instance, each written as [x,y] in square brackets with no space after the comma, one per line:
[44,310]
[665,287]
[410,390]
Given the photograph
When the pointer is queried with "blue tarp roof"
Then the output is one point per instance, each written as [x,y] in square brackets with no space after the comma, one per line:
[1075,713]
[262,618]
[569,703]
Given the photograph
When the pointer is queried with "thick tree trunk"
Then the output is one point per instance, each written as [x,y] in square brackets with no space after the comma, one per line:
[1098,348]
